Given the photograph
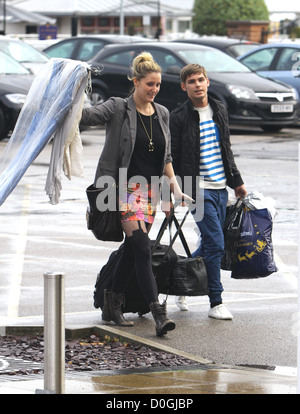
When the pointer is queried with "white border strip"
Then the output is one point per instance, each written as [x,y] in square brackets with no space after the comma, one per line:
[298,313]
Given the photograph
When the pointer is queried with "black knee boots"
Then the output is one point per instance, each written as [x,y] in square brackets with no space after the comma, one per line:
[112,313]
[112,309]
[163,324]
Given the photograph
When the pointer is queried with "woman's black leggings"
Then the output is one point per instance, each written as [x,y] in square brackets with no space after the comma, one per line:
[136,251]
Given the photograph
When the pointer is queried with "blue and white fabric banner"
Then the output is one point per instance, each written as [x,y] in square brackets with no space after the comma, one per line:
[52,110]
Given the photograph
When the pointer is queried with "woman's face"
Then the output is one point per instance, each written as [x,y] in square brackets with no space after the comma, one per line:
[148,87]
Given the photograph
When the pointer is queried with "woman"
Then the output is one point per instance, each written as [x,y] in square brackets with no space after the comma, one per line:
[137,139]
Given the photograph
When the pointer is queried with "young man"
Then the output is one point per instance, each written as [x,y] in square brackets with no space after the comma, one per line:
[201,147]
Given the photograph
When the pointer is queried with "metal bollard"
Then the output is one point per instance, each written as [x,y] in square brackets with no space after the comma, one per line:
[54,333]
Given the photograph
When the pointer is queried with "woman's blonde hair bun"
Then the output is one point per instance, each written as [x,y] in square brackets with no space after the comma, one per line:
[142,65]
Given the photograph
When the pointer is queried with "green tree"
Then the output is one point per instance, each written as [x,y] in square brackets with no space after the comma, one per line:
[211,16]
[295,33]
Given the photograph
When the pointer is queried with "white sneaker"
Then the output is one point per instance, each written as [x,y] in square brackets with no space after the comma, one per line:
[220,312]
[181,303]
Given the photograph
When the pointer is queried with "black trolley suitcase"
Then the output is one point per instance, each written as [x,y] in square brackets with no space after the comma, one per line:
[134,301]
[164,260]
[170,270]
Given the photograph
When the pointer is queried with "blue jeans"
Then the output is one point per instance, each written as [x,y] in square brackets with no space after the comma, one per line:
[212,239]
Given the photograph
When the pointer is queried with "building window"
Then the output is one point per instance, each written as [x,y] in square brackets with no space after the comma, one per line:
[183,25]
[31,29]
[110,25]
[87,21]
[103,21]
[169,25]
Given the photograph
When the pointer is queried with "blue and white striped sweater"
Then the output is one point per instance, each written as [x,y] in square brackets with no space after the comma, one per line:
[211,164]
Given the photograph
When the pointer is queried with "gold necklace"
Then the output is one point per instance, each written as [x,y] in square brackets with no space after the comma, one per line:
[150,145]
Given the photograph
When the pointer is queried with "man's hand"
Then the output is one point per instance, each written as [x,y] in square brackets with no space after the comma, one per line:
[240,192]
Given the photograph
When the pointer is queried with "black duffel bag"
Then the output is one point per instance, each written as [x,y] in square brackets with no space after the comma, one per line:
[164,258]
[105,225]
[188,276]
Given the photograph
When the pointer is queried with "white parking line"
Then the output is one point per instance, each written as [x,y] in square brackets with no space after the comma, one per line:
[21,240]
[290,273]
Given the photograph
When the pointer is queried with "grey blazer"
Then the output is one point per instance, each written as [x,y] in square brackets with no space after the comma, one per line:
[120,118]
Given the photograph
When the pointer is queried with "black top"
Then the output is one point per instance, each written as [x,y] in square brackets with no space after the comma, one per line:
[144,162]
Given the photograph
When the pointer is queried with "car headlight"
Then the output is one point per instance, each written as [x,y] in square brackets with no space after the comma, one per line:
[295,94]
[16,98]
[242,92]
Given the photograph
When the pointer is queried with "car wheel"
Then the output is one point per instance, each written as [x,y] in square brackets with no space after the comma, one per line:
[97,96]
[3,131]
[271,128]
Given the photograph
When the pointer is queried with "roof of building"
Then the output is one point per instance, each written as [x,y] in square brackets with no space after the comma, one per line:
[56,8]
[109,7]
[15,15]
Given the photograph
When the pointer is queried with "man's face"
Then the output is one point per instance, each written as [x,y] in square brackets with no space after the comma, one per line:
[196,87]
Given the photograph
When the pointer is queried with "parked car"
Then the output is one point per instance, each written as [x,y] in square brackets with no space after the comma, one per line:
[233,47]
[249,98]
[86,47]
[15,82]
[25,54]
[276,61]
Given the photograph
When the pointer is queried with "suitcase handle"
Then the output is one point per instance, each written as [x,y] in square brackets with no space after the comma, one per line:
[181,235]
[168,221]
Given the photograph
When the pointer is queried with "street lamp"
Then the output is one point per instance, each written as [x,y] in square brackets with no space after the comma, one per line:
[158,32]
[121,18]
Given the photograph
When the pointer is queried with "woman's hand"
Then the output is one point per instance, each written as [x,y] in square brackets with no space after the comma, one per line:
[182,198]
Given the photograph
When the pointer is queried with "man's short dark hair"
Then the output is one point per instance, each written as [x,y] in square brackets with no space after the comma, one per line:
[191,69]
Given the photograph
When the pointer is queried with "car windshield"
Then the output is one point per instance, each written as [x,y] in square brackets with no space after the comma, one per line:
[212,60]
[22,52]
[241,48]
[62,49]
[9,66]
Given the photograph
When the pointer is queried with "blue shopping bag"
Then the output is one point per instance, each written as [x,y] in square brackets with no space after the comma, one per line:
[254,255]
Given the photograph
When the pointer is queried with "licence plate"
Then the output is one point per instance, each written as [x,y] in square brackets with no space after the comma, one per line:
[282,108]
